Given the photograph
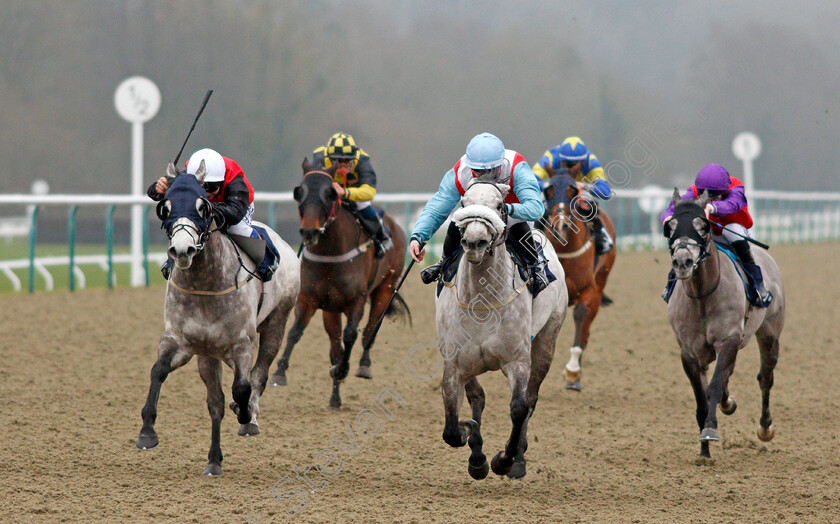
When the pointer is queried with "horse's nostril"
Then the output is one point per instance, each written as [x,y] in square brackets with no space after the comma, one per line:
[191,251]
[172,252]
[674,263]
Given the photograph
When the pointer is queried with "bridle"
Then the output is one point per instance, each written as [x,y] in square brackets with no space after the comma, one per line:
[498,238]
[684,243]
[332,212]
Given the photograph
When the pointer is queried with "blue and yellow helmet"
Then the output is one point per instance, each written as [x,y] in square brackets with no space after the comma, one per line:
[573,150]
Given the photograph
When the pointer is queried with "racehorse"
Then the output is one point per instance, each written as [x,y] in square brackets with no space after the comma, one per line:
[486,321]
[214,307]
[586,274]
[339,274]
[712,318]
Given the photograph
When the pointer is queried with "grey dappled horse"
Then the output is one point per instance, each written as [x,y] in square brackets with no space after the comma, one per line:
[712,319]
[214,307]
[487,320]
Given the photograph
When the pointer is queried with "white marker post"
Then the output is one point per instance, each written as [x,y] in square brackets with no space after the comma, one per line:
[653,202]
[746,147]
[137,100]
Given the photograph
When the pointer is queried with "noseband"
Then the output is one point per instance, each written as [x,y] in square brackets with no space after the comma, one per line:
[331,215]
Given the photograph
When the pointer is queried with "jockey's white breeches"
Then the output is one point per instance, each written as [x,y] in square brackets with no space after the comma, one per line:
[243,227]
[729,235]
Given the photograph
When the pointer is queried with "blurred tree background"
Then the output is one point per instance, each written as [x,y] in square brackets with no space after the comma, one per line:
[659,87]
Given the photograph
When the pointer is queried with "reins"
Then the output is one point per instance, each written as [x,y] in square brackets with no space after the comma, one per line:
[237,284]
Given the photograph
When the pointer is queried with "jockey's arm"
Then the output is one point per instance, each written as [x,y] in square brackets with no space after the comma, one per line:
[544,167]
[668,213]
[597,180]
[530,206]
[235,203]
[734,201]
[152,192]
[366,188]
[438,208]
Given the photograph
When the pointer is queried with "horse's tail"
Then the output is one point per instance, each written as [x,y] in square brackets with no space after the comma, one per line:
[605,300]
[399,310]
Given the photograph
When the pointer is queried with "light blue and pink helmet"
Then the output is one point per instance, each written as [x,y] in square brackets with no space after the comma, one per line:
[485,151]
[713,177]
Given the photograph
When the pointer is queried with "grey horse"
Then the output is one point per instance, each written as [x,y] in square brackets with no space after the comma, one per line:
[214,307]
[712,318]
[488,321]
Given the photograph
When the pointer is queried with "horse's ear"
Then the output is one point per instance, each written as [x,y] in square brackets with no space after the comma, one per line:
[201,172]
[676,198]
[332,169]
[504,189]
[307,167]
[171,172]
[549,193]
[297,193]
[704,199]
[572,191]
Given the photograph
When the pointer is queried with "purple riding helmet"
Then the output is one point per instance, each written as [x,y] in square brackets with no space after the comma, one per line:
[713,177]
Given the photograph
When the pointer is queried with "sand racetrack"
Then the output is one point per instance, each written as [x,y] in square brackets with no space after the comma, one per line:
[75,372]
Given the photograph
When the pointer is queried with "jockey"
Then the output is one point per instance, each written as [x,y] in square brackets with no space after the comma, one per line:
[727,208]
[355,182]
[232,199]
[572,158]
[485,156]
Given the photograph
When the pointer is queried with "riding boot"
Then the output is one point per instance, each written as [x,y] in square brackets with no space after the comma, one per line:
[603,239]
[742,249]
[166,268]
[271,260]
[372,224]
[669,286]
[450,245]
[522,241]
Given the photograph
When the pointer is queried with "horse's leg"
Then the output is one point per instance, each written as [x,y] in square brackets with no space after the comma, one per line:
[379,300]
[271,335]
[478,466]
[542,354]
[455,433]
[726,351]
[241,358]
[769,349]
[696,376]
[518,374]
[351,332]
[303,314]
[169,359]
[332,325]
[584,313]
[210,370]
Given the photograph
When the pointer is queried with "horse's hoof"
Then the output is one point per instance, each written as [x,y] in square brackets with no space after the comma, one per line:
[501,464]
[766,434]
[728,407]
[149,441]
[249,430]
[340,371]
[571,376]
[479,472]
[709,435]
[364,372]
[277,380]
[517,471]
[212,470]
[574,386]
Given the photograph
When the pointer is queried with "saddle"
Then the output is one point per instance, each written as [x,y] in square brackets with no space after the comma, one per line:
[749,286]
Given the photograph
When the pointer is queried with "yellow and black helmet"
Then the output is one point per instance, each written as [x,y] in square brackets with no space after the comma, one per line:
[341,146]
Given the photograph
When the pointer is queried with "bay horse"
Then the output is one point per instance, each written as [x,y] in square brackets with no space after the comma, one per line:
[712,318]
[488,320]
[586,275]
[339,274]
[214,307]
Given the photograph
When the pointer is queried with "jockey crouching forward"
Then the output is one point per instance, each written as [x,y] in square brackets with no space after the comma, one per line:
[486,157]
[573,158]
[355,182]
[232,199]
[728,208]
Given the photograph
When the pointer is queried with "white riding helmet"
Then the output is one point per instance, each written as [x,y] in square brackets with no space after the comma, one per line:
[214,164]
[485,151]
